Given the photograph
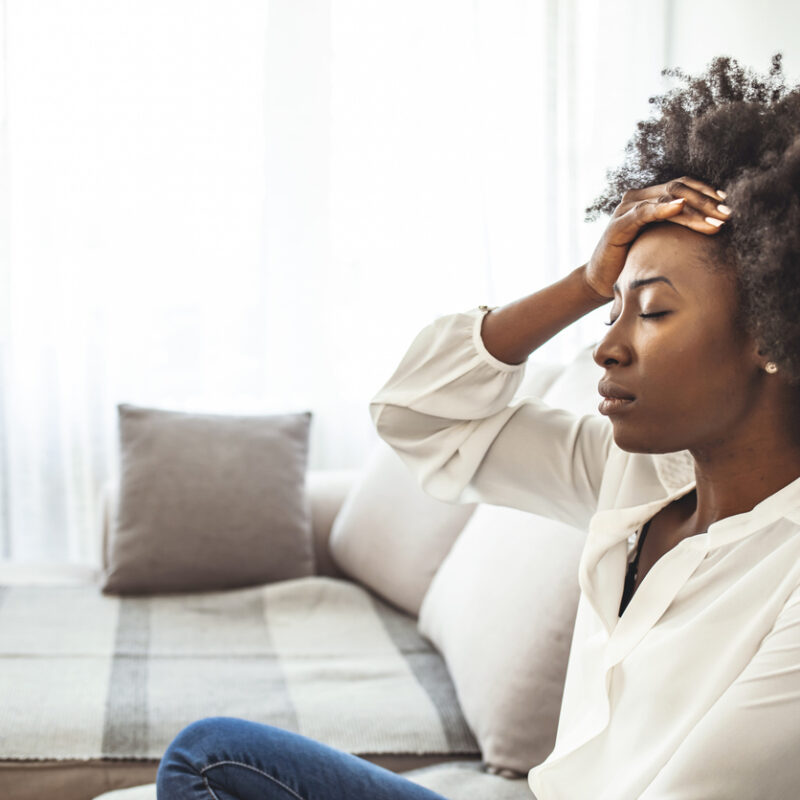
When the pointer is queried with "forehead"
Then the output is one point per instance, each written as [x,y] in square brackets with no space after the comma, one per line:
[678,253]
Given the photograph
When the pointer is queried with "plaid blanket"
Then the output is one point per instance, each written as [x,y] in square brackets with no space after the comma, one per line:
[86,676]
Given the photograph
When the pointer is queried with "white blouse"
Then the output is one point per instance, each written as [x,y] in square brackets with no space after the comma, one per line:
[694,692]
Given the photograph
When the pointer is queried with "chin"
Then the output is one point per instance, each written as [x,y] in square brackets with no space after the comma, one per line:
[652,442]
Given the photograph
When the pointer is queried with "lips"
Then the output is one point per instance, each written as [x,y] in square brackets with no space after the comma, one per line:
[615,398]
[608,389]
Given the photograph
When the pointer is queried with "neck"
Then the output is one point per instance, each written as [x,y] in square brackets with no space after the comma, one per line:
[735,474]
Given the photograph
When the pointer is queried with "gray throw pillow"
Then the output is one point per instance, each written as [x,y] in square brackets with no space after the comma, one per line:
[209,501]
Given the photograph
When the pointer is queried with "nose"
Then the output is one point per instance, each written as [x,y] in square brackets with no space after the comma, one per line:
[612,349]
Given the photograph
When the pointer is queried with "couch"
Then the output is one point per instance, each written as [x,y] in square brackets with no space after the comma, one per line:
[432,639]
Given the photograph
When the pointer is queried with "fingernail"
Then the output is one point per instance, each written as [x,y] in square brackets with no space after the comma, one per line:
[675,202]
[723,209]
[715,222]
[722,194]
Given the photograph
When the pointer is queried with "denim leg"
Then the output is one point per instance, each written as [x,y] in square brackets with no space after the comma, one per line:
[222,758]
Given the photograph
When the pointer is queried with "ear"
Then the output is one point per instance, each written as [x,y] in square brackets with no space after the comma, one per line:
[759,356]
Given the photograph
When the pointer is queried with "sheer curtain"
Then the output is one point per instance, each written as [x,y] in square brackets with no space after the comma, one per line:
[252,206]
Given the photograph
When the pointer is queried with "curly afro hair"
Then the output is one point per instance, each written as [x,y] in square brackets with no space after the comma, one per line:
[739,131]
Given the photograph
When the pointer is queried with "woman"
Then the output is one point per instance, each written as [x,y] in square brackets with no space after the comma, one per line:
[684,674]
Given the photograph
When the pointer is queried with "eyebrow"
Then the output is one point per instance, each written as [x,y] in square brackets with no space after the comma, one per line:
[643,282]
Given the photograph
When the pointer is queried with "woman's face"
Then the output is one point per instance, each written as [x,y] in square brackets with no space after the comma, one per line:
[693,374]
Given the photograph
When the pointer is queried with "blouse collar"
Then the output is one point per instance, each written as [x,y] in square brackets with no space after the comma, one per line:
[615,524]
[604,557]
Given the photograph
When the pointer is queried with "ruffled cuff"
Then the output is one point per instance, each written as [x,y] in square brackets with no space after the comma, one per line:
[480,347]
[448,372]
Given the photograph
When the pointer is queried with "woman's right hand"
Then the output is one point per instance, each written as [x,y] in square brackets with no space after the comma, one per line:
[684,201]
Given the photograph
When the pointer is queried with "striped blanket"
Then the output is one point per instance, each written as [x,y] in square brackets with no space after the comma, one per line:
[86,676]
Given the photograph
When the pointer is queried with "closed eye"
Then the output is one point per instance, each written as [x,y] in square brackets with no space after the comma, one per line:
[644,316]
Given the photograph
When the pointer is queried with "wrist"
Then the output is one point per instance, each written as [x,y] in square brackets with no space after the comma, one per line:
[592,295]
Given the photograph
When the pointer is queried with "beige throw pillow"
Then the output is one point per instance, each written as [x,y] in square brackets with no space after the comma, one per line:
[501,610]
[209,501]
[391,536]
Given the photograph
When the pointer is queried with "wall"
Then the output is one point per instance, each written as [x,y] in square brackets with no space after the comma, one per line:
[749,31]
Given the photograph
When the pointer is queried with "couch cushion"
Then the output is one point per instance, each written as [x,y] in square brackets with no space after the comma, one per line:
[501,610]
[85,780]
[573,387]
[146,792]
[89,676]
[209,501]
[391,536]
[469,780]
[327,490]
[459,780]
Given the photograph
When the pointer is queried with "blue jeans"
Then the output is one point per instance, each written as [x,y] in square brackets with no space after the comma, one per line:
[222,758]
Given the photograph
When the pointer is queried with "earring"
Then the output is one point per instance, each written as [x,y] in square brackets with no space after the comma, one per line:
[771,367]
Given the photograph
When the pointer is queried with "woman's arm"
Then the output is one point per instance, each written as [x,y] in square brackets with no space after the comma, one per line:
[513,332]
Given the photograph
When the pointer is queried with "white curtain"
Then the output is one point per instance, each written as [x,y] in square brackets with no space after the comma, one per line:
[251,207]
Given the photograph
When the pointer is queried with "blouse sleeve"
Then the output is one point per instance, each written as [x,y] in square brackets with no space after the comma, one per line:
[448,411]
[747,743]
